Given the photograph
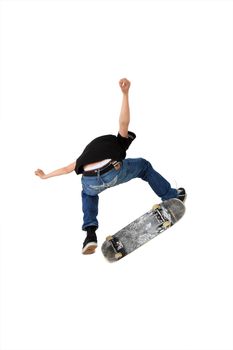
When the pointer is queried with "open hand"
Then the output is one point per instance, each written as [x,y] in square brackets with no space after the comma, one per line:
[124,85]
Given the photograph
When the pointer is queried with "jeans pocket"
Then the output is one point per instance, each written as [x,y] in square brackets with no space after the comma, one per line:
[104,185]
[97,188]
[93,186]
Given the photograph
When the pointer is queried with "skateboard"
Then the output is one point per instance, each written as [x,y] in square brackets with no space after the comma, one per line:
[151,224]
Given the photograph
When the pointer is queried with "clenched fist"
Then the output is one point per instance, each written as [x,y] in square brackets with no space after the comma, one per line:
[124,85]
[40,173]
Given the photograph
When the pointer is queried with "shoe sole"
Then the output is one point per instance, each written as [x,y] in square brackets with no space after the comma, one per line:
[89,248]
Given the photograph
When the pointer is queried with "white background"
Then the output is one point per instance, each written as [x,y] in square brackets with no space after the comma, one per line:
[60,66]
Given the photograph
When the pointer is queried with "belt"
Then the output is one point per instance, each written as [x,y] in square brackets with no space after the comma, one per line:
[100,171]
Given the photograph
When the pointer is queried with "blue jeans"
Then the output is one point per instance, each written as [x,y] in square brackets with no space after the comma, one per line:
[130,169]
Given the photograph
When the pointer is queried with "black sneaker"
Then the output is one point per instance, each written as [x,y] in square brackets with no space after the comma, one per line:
[181,194]
[90,244]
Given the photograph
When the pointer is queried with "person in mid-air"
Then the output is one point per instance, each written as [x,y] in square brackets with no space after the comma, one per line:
[103,164]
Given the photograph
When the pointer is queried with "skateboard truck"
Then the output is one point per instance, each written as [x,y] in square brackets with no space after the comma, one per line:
[117,246]
[165,223]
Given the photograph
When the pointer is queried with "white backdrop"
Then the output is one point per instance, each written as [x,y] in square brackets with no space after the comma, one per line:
[60,66]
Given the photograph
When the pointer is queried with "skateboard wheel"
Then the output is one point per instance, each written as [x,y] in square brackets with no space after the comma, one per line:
[118,256]
[156,206]
[108,238]
[166,224]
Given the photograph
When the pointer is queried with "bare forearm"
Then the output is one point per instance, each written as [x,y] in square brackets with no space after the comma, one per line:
[125,111]
[58,172]
[62,171]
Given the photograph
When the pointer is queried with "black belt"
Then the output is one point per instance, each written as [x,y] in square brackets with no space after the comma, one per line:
[100,171]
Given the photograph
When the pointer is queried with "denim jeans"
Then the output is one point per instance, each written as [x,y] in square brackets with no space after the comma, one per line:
[130,169]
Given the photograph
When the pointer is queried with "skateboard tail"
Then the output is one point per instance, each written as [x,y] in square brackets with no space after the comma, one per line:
[108,251]
[175,207]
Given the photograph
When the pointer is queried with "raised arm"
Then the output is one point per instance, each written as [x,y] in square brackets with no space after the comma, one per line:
[62,171]
[124,119]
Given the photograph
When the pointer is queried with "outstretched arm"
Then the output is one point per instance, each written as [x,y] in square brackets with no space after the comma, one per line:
[66,170]
[125,111]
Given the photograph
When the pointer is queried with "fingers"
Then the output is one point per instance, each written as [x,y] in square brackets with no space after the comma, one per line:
[124,84]
[39,172]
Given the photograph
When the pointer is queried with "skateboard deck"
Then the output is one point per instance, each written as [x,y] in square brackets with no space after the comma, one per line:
[151,224]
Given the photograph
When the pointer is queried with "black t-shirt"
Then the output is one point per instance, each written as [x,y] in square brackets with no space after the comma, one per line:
[104,147]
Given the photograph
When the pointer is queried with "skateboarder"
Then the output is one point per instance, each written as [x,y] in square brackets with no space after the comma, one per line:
[103,164]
